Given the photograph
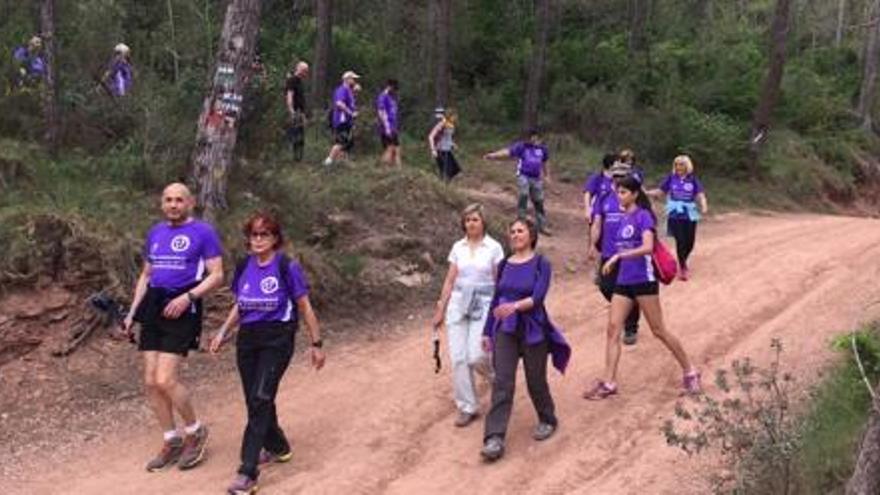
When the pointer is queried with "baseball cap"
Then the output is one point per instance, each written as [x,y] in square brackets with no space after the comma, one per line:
[350,74]
[122,48]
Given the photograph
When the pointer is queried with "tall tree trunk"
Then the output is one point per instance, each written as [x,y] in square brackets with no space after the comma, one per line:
[770,91]
[50,85]
[538,64]
[869,69]
[442,27]
[637,21]
[866,477]
[215,140]
[323,47]
[841,17]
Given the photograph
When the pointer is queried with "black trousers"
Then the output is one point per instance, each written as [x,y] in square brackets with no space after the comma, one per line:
[447,165]
[508,350]
[296,136]
[263,356]
[685,233]
[606,287]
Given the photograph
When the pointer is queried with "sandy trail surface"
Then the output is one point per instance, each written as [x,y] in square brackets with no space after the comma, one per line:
[378,420]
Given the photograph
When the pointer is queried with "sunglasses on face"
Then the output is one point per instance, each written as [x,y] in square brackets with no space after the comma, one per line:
[261,235]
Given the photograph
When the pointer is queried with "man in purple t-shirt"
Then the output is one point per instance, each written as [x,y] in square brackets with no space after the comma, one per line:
[532,172]
[344,111]
[389,123]
[182,263]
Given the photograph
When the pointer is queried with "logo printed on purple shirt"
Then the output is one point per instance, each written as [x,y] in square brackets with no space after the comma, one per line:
[532,158]
[611,214]
[259,293]
[177,254]
[639,270]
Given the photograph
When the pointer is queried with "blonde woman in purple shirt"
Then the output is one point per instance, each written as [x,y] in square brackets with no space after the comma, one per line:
[636,283]
[271,293]
[684,193]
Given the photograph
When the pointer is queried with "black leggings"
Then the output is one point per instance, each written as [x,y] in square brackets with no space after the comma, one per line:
[685,233]
[263,356]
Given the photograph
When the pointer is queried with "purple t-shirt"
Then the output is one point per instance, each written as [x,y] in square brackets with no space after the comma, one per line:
[532,158]
[260,295]
[387,103]
[121,78]
[681,188]
[639,270]
[597,184]
[345,95]
[177,253]
[608,208]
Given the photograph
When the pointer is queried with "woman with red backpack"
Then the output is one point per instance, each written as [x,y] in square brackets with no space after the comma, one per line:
[636,284]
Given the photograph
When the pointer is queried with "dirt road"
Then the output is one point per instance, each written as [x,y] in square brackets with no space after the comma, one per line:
[378,420]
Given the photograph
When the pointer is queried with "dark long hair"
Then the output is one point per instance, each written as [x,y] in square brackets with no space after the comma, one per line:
[633,185]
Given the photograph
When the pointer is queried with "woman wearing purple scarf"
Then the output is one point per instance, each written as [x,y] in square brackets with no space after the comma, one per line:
[518,325]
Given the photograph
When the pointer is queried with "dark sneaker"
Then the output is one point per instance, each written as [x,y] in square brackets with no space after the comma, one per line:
[267,457]
[630,338]
[193,448]
[601,390]
[169,455]
[464,419]
[543,431]
[691,383]
[242,485]
[493,449]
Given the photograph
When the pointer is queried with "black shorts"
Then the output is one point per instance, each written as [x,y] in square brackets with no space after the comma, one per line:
[342,136]
[637,290]
[389,140]
[172,336]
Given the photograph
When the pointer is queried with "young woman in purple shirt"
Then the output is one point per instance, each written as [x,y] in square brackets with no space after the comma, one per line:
[518,327]
[271,292]
[684,193]
[636,283]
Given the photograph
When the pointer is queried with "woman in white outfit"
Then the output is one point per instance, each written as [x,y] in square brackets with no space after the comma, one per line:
[464,304]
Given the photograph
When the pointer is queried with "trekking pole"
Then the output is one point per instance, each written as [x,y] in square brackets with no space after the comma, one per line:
[435,337]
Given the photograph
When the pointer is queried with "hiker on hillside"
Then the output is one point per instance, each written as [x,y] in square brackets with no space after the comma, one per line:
[464,306]
[597,184]
[532,173]
[119,77]
[683,193]
[441,141]
[636,284]
[388,122]
[344,111]
[30,64]
[518,327]
[182,264]
[607,216]
[295,102]
[271,293]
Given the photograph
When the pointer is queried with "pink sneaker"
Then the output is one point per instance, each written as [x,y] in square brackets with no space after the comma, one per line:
[691,383]
[601,390]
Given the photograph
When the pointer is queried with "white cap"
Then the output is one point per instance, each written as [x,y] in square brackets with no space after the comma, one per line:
[122,48]
[350,74]
[35,41]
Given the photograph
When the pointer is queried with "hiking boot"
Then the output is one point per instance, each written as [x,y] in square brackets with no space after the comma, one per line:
[543,431]
[267,457]
[242,485]
[493,449]
[601,390]
[630,338]
[193,448]
[169,455]
[464,419]
[691,383]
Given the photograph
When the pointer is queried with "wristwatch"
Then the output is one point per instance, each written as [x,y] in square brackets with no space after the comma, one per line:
[318,344]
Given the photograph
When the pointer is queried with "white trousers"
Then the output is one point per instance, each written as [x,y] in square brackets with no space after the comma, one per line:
[465,349]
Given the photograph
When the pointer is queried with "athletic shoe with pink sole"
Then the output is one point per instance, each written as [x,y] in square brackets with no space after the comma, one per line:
[601,390]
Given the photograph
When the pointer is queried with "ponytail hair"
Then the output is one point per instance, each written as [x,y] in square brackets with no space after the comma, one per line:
[633,185]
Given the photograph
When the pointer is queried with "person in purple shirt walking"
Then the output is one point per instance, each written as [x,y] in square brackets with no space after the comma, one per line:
[636,283]
[344,111]
[683,193]
[119,78]
[532,173]
[387,112]
[597,184]
[182,264]
[30,64]
[607,216]
[271,293]
[518,326]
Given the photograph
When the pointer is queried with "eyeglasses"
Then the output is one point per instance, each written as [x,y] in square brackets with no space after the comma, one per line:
[261,235]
